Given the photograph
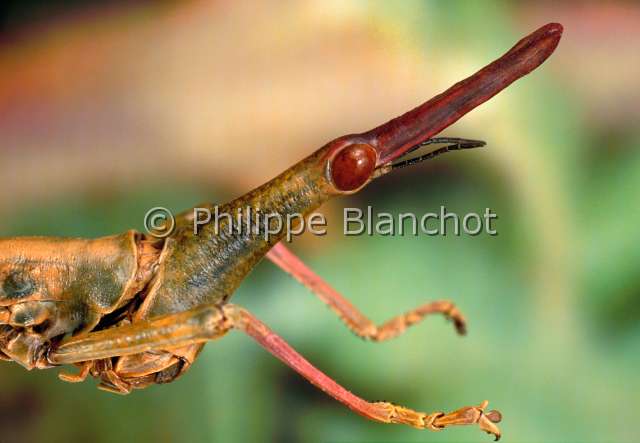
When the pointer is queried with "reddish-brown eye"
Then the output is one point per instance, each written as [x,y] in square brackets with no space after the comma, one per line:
[352,167]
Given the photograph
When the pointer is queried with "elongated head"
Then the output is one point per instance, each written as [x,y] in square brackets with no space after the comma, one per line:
[352,161]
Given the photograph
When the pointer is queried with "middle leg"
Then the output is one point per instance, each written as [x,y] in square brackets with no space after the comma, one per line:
[350,315]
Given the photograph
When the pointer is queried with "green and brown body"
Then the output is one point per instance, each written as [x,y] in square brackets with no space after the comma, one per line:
[60,286]
[80,285]
[134,310]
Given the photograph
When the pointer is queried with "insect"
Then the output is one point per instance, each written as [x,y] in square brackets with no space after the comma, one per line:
[134,310]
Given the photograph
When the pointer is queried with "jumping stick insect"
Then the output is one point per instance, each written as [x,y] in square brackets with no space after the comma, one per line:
[134,310]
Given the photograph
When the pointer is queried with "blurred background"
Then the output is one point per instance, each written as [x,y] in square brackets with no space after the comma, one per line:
[109,108]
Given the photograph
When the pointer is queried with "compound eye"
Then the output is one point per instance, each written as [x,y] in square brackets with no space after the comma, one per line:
[352,167]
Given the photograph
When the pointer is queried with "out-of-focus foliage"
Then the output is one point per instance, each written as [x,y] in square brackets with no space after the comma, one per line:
[106,114]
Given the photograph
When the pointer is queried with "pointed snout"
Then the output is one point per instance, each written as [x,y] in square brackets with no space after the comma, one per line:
[396,137]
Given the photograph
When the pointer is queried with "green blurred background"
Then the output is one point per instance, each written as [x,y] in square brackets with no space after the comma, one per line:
[110,108]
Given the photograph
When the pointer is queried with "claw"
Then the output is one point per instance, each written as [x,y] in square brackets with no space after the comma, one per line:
[458,320]
[472,415]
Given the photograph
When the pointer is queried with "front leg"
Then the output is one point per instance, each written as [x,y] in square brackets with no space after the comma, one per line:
[212,321]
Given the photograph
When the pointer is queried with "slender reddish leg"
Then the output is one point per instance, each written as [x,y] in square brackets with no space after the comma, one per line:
[350,315]
[209,322]
[384,412]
